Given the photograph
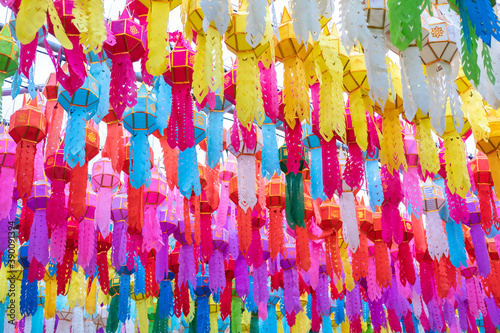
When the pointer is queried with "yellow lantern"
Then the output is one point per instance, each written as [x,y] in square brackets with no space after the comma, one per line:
[492,150]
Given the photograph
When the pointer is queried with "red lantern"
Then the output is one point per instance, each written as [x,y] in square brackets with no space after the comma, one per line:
[482,176]
[28,126]
[275,199]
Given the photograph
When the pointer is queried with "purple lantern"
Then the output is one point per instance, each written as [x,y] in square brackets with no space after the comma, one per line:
[119,215]
[477,235]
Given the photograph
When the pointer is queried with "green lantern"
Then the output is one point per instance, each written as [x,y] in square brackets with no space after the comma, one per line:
[9,53]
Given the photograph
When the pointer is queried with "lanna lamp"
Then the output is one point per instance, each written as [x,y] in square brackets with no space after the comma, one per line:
[202,293]
[9,54]
[28,126]
[483,179]
[491,148]
[128,48]
[154,196]
[7,167]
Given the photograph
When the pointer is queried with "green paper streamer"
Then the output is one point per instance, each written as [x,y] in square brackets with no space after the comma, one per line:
[254,322]
[469,58]
[295,209]
[192,324]
[112,323]
[236,315]
[405,22]
[487,63]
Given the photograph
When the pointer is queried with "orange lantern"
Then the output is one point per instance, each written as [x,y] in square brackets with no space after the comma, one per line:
[275,199]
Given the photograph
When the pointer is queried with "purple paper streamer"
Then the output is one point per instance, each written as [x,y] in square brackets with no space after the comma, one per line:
[187,269]
[291,291]
[480,249]
[260,287]
[242,283]
[119,245]
[323,305]
[216,272]
[161,269]
[39,238]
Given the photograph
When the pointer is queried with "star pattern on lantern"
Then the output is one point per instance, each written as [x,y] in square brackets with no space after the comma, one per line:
[437,32]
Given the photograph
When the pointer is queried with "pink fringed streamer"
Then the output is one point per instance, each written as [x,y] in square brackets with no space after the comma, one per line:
[187,269]
[315,318]
[235,137]
[332,181]
[269,91]
[181,123]
[86,242]
[161,268]
[119,244]
[36,271]
[206,245]
[355,167]
[480,249]
[7,176]
[260,287]
[216,272]
[315,249]
[123,91]
[323,300]
[56,206]
[472,296]
[76,66]
[242,283]
[151,232]
[293,138]
[412,191]
[315,111]
[407,270]
[39,238]
[373,140]
[254,254]
[27,57]
[103,210]
[221,217]
[457,206]
[291,295]
[58,242]
[393,195]
[393,321]
[146,77]
[249,137]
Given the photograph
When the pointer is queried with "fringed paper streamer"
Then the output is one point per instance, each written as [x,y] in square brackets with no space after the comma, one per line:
[391,219]
[302,248]
[74,144]
[480,249]
[316,166]
[112,323]
[350,230]
[86,241]
[217,11]
[383,268]
[456,166]
[357,110]
[270,156]
[305,18]
[407,270]
[27,54]
[202,314]
[25,169]
[214,70]
[161,269]
[455,240]
[236,310]
[354,170]
[181,123]
[247,196]
[241,279]
[25,223]
[200,85]
[376,67]
[217,279]
[28,299]
[333,260]
[427,151]
[135,204]
[255,22]
[101,72]
[123,91]
[39,238]
[254,253]
[291,295]
[119,242]
[412,191]
[405,24]
[415,85]
[188,166]
[124,299]
[295,92]
[55,123]
[244,221]
[332,181]
[214,138]
[294,200]
[114,148]
[436,237]
[373,181]
[248,91]
[163,104]
[56,206]
[392,148]
[187,270]
[269,87]
[158,37]
[151,232]
[50,297]
[103,210]
[139,168]
[475,112]
[293,139]
[275,234]
[7,176]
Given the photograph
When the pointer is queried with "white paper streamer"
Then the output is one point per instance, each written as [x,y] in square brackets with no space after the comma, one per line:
[437,242]
[438,94]
[49,325]
[376,67]
[217,11]
[354,28]
[417,304]
[9,328]
[256,21]
[305,20]
[129,326]
[246,182]
[90,326]
[77,323]
[415,90]
[349,222]
[326,8]
[27,323]
[276,25]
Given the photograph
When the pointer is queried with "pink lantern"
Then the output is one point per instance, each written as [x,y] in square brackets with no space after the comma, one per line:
[104,180]
[154,195]
[7,171]
[39,234]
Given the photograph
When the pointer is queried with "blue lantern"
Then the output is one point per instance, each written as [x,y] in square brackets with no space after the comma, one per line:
[140,121]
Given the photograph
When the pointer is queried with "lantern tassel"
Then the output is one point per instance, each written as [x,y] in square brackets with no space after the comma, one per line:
[39,236]
[119,244]
[217,279]
[140,171]
[113,147]
[270,156]
[74,145]
[248,91]
[101,72]
[123,92]
[202,314]
[200,85]
[103,210]
[412,73]
[206,246]
[349,223]
[7,176]
[25,168]
[124,298]
[275,233]
[188,166]
[427,152]
[181,123]
[436,237]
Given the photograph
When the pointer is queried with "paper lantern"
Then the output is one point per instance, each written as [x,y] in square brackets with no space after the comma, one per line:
[39,236]
[214,130]
[441,42]
[9,53]
[104,180]
[28,126]
[154,195]
[491,149]
[245,154]
[129,47]
[330,216]
[376,14]
[140,121]
[7,167]
[482,176]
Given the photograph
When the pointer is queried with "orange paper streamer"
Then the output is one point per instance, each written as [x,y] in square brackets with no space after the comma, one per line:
[78,190]
[135,201]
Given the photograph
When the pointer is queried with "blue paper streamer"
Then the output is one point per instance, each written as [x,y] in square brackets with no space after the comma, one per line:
[374,184]
[139,277]
[140,171]
[482,18]
[216,296]
[270,155]
[214,138]
[339,311]
[31,83]
[124,297]
[249,301]
[100,71]
[74,145]
[203,315]
[327,324]
[29,295]
[189,175]
[164,302]
[270,325]
[163,103]
[366,311]
[456,243]
[316,165]
[36,321]
[16,85]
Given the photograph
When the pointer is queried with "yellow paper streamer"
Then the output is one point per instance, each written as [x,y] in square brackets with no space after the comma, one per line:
[77,288]
[200,87]
[3,283]
[346,265]
[302,323]
[142,313]
[59,31]
[158,37]
[102,298]
[475,113]
[50,297]
[456,166]
[295,91]
[249,101]
[187,26]
[344,327]
[214,70]
[214,313]
[267,58]
[358,118]
[392,149]
[30,18]
[427,153]
[90,301]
